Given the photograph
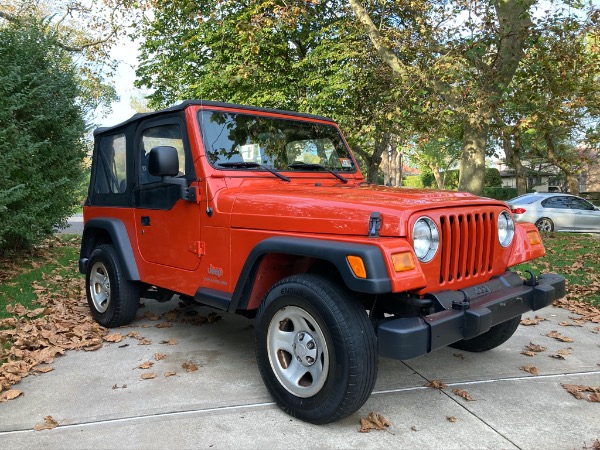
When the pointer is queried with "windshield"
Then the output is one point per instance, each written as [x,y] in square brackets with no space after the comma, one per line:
[277,143]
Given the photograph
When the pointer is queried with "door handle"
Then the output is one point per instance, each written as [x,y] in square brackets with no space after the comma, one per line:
[145,221]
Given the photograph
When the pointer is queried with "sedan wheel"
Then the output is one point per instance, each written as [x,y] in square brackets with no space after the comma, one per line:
[544,225]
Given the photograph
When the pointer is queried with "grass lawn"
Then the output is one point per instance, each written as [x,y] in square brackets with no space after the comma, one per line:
[577,257]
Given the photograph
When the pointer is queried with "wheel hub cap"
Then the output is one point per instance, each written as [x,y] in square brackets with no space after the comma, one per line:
[305,349]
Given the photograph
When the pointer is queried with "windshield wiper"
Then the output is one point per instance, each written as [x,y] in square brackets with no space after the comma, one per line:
[249,164]
[301,165]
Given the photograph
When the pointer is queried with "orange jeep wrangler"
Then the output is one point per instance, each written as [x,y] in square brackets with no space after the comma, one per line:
[265,213]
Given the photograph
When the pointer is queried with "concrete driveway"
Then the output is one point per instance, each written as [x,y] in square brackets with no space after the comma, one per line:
[101,401]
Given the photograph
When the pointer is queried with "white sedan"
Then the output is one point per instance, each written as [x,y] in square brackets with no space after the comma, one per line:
[556,212]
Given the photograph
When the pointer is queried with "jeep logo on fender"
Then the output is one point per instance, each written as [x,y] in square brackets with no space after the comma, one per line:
[215,271]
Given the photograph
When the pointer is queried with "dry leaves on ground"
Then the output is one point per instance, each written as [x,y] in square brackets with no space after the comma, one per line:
[148,376]
[48,424]
[374,421]
[189,366]
[576,390]
[35,341]
[534,321]
[170,342]
[114,337]
[145,365]
[170,374]
[530,369]
[10,395]
[561,354]
[437,384]
[532,349]
[556,335]
[159,356]
[588,312]
[451,419]
[464,394]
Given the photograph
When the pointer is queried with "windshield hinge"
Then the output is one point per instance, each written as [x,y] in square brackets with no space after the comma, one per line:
[374,224]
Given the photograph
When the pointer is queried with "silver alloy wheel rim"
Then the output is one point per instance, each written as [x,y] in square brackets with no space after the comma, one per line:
[544,225]
[100,287]
[297,351]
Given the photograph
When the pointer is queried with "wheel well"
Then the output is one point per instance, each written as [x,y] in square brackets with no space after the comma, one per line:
[92,238]
[275,266]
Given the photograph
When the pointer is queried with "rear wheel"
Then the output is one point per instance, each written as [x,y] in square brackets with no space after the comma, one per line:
[545,224]
[113,300]
[315,348]
[495,336]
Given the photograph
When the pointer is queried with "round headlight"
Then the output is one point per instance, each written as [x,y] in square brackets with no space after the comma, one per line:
[506,229]
[426,239]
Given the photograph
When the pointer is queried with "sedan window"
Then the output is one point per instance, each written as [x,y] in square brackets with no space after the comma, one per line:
[579,203]
[556,202]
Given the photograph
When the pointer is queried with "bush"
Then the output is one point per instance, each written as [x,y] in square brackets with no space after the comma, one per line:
[500,193]
[41,136]
[492,178]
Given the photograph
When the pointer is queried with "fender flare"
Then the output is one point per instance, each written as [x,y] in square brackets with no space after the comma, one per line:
[120,241]
[377,281]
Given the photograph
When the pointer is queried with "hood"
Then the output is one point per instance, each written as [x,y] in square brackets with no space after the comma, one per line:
[341,210]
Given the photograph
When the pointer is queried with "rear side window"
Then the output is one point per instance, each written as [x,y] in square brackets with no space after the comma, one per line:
[111,167]
[556,202]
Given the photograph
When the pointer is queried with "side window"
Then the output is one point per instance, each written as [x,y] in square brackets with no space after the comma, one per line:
[169,135]
[111,169]
[556,202]
[579,203]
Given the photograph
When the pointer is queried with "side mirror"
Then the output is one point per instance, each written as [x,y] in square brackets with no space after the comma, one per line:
[163,161]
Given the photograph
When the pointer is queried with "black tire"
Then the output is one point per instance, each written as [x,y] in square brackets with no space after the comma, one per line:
[113,300]
[309,308]
[495,336]
[545,225]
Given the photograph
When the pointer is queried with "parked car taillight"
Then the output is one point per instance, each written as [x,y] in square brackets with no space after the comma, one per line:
[518,211]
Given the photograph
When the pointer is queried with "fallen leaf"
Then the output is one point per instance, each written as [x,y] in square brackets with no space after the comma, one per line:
[189,366]
[48,424]
[159,356]
[11,394]
[534,321]
[558,336]
[560,354]
[145,365]
[528,353]
[531,369]
[595,397]
[170,374]
[44,369]
[535,348]
[151,316]
[576,390]
[374,421]
[134,334]
[114,337]
[458,355]
[148,376]
[413,428]
[464,394]
[451,419]
[437,384]
[170,342]
[164,325]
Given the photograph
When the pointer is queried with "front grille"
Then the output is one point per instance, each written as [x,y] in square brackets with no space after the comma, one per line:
[467,242]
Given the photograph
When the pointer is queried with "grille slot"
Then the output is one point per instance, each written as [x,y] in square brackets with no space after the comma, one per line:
[467,242]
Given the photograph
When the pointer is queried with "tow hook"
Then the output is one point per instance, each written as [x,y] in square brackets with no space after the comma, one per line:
[464,304]
[532,280]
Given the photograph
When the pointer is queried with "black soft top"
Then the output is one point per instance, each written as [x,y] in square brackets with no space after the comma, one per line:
[181,106]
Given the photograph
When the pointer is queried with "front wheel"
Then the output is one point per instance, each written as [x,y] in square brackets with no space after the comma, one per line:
[495,336]
[316,349]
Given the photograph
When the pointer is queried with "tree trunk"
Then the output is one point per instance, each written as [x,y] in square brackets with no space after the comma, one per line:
[382,142]
[513,156]
[439,179]
[398,171]
[472,163]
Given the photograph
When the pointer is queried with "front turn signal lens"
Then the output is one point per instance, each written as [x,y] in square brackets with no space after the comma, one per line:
[534,237]
[403,261]
[357,265]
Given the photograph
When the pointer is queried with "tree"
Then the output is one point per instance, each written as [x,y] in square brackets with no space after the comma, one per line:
[41,134]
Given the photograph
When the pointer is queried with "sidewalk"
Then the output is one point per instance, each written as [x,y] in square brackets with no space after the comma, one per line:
[101,401]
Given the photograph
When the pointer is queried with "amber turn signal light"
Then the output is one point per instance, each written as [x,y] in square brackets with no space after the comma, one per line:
[403,261]
[357,265]
[534,237]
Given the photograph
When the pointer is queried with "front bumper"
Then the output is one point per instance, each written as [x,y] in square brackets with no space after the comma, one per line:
[466,313]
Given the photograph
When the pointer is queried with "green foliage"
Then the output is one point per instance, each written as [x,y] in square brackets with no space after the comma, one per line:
[41,135]
[413,181]
[427,179]
[499,193]
[492,178]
